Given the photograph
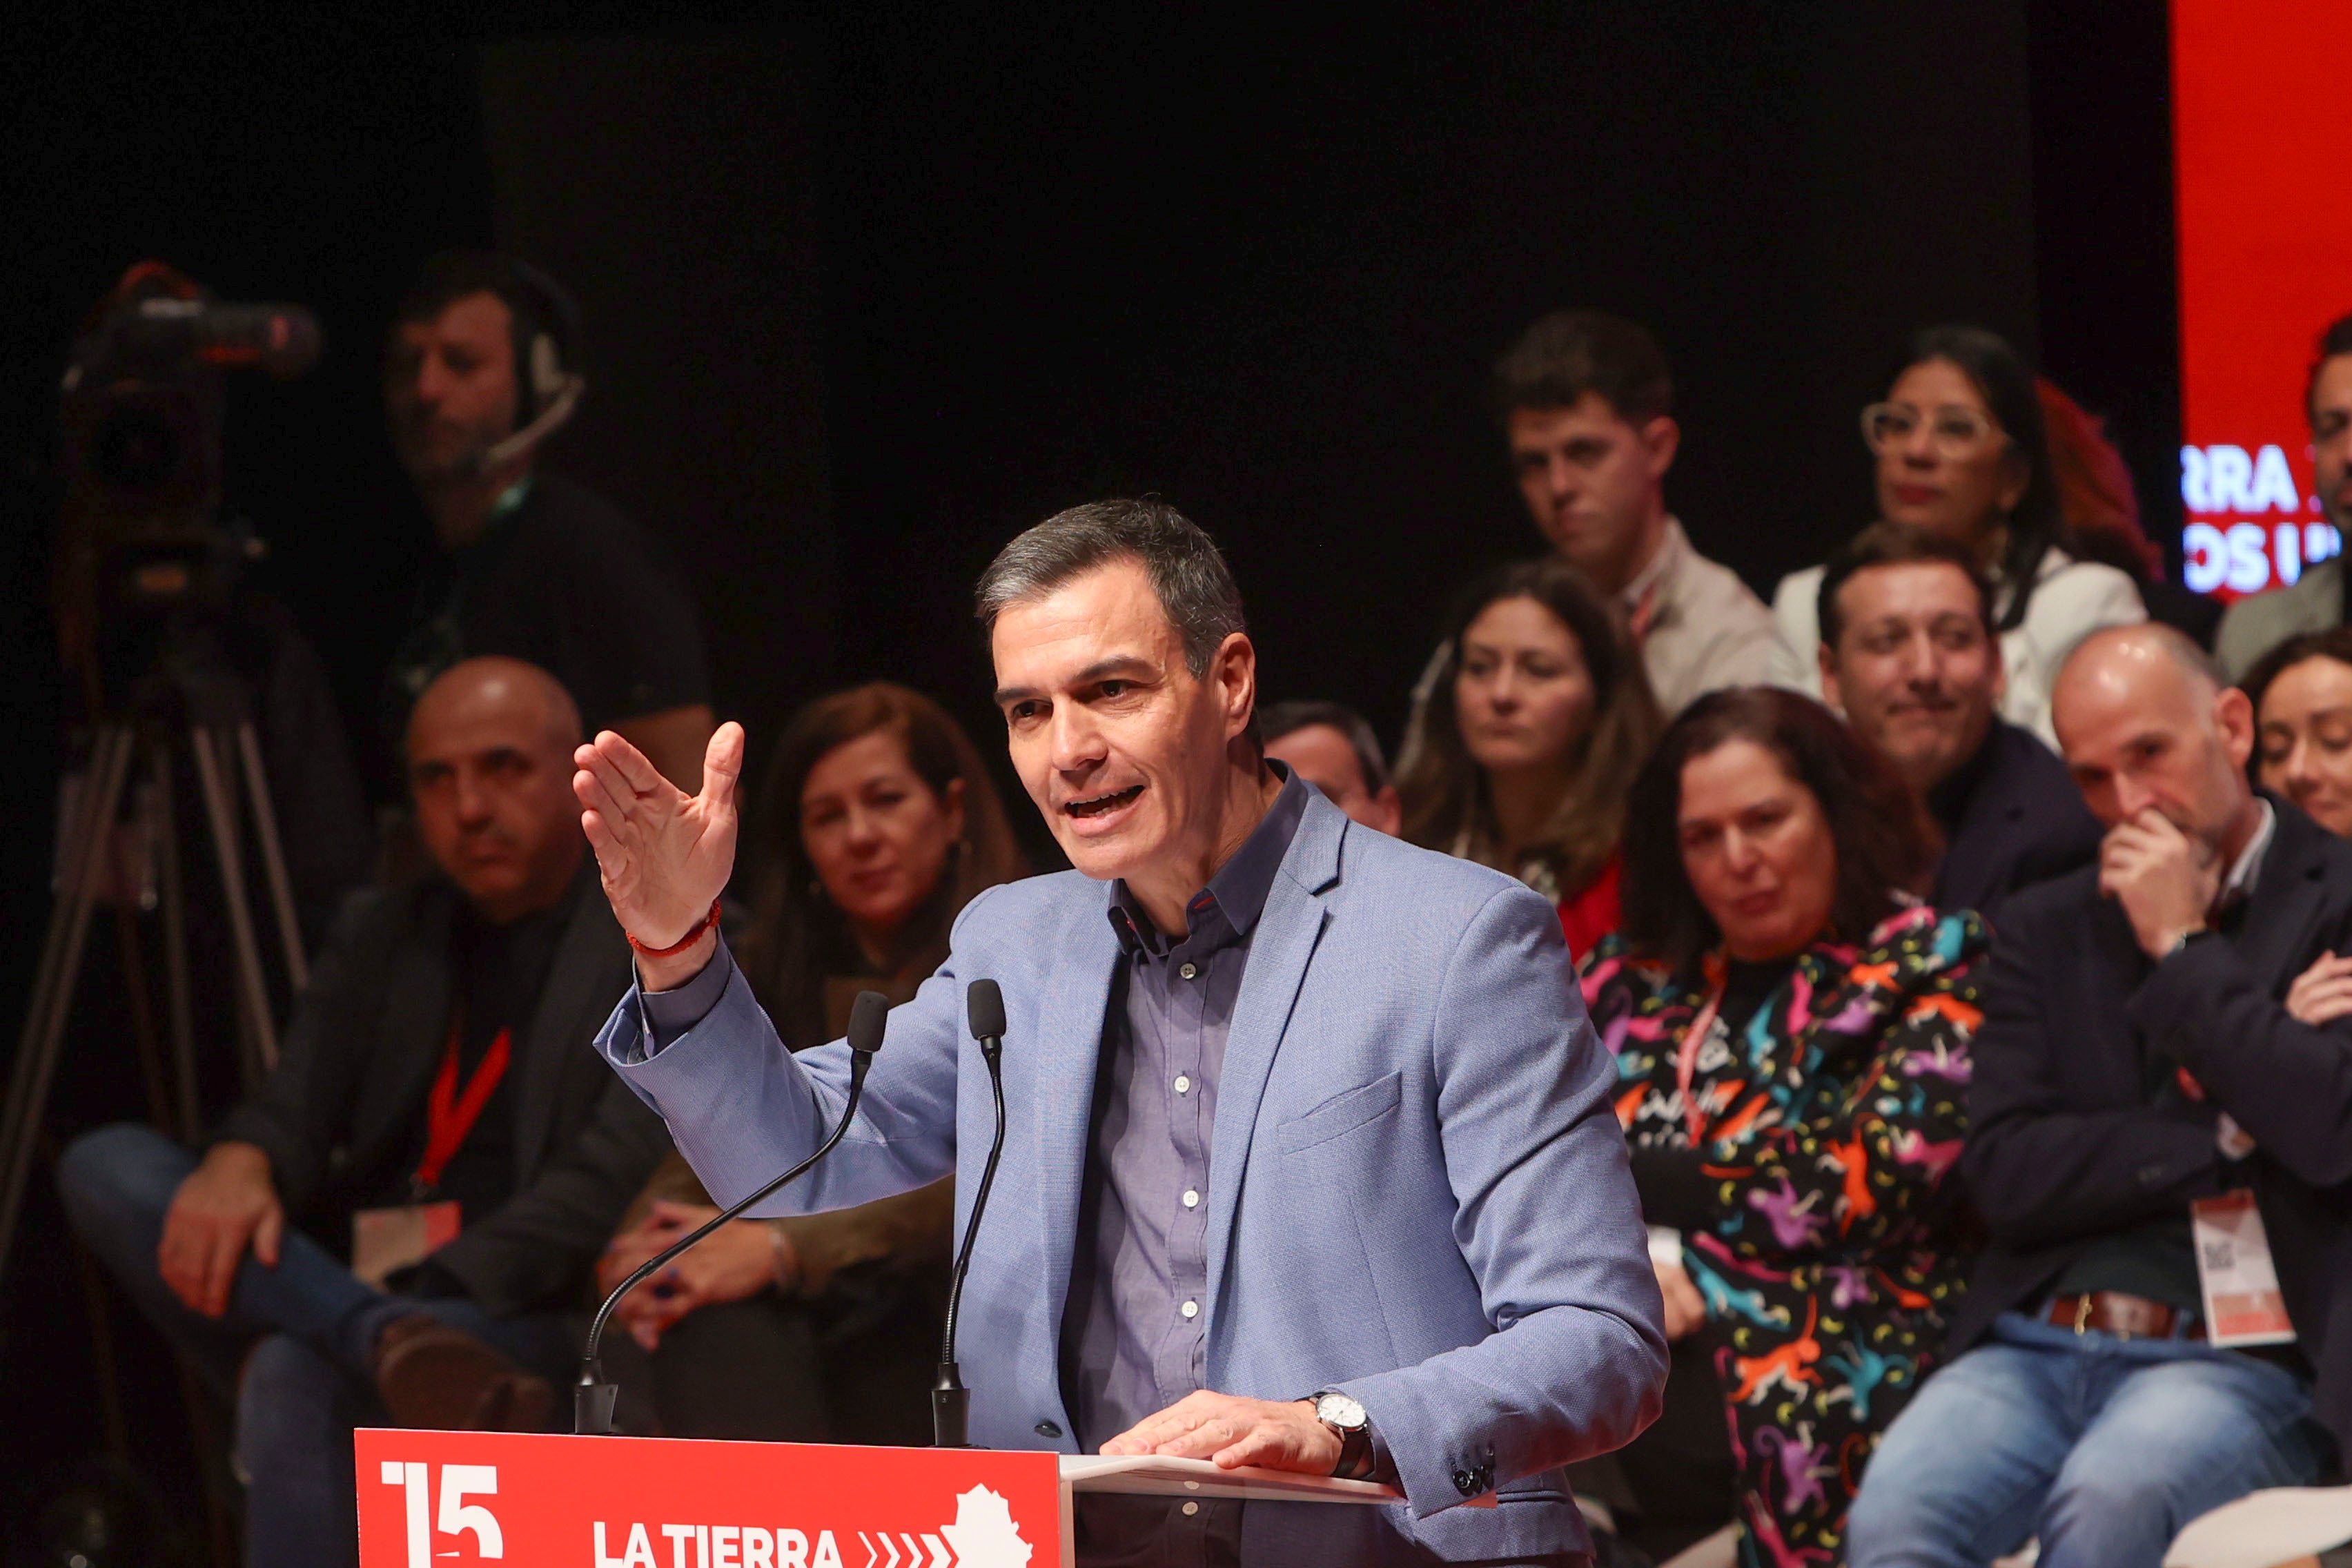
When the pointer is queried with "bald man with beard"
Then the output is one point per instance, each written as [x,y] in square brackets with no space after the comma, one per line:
[2151,1092]
[397,1227]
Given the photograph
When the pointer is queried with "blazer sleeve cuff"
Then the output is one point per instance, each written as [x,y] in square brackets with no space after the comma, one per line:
[662,1016]
[1409,1439]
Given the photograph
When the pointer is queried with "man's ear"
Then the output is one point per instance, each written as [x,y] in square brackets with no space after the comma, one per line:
[1234,673]
[1831,698]
[2233,716]
[1661,439]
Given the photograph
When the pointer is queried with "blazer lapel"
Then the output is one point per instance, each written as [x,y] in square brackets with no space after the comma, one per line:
[2286,904]
[582,983]
[1069,1047]
[413,1030]
[1280,948]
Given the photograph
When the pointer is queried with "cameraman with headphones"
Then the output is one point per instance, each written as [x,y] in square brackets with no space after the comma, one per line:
[482,366]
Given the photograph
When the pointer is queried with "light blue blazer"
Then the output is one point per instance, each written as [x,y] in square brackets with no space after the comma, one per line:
[1418,1190]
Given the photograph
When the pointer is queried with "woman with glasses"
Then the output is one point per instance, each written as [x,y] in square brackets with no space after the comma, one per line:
[1961,450]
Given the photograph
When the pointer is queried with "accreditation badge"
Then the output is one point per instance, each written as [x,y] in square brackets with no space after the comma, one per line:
[2243,1303]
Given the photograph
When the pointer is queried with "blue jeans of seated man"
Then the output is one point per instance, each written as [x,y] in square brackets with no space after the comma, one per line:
[291,1352]
[2102,1448]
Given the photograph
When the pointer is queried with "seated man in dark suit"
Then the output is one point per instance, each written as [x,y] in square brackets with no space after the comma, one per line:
[2153,1135]
[435,1106]
[1910,656]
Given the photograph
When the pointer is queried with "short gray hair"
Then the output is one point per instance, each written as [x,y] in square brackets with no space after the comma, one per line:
[1195,587]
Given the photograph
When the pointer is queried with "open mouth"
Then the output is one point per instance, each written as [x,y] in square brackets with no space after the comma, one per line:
[1102,805]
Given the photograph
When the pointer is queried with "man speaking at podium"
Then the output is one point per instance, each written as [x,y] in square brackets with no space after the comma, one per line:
[1295,1109]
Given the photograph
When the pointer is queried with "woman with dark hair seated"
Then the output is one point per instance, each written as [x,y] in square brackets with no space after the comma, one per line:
[877,824]
[1538,720]
[1791,1030]
[2302,693]
[1961,450]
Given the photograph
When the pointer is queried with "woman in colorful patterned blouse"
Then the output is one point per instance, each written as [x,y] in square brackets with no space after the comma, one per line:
[1791,1031]
[1536,721]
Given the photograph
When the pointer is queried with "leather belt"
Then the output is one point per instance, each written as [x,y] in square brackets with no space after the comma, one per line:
[2124,1316]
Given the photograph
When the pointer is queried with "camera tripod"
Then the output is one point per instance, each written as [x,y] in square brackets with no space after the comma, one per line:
[179,710]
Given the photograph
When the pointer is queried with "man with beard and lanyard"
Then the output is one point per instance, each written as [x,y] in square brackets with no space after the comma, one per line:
[1310,1163]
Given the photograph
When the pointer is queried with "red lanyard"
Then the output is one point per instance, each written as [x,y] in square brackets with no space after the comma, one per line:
[449,1116]
[1694,1035]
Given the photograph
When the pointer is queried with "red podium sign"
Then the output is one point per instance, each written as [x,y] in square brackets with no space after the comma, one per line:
[450,1499]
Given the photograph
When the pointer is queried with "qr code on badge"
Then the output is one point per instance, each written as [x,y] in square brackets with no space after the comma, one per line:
[2220,1254]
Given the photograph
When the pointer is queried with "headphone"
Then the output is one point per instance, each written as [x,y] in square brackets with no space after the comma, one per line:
[546,343]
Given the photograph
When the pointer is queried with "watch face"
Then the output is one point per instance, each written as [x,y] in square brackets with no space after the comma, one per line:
[1340,1411]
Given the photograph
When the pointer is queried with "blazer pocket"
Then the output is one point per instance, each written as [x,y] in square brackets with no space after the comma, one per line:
[1342,1113]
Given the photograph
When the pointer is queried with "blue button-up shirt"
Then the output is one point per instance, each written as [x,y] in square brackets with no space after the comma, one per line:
[1134,1329]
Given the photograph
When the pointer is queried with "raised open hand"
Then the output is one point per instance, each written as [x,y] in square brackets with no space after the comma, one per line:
[664,855]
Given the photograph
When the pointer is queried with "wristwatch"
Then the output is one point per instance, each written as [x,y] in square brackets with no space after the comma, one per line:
[2184,938]
[1346,1421]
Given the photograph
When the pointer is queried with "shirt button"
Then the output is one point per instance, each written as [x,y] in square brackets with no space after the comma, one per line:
[1183,1084]
[1190,1508]
[1190,1309]
[1192,1199]
[1048,1429]
[1188,970]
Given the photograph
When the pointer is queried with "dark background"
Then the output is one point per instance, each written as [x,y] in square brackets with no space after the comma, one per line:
[870,287]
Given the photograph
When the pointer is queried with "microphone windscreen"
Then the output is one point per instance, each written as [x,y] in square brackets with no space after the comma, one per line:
[866,1019]
[986,1004]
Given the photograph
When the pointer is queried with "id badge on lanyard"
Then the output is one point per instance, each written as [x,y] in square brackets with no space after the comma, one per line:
[386,1240]
[2243,1305]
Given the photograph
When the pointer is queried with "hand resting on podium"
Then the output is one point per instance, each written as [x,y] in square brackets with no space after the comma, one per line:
[1230,1431]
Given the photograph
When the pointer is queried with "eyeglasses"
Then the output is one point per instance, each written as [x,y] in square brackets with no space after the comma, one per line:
[1952,431]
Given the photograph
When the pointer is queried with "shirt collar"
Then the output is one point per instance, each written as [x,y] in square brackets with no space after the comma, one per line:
[1673,545]
[2247,868]
[1949,799]
[1239,889]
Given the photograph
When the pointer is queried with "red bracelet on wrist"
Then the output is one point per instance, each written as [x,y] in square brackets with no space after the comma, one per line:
[682,943]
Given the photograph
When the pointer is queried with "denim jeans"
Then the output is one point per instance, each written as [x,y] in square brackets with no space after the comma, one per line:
[291,1352]
[2102,1448]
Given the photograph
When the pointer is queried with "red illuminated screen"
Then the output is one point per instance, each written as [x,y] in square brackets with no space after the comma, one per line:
[2257,127]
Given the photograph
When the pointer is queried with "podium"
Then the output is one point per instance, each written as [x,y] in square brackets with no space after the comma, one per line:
[452,1499]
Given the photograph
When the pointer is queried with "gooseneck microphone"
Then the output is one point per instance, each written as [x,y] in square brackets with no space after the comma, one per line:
[950,1401]
[592,1397]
